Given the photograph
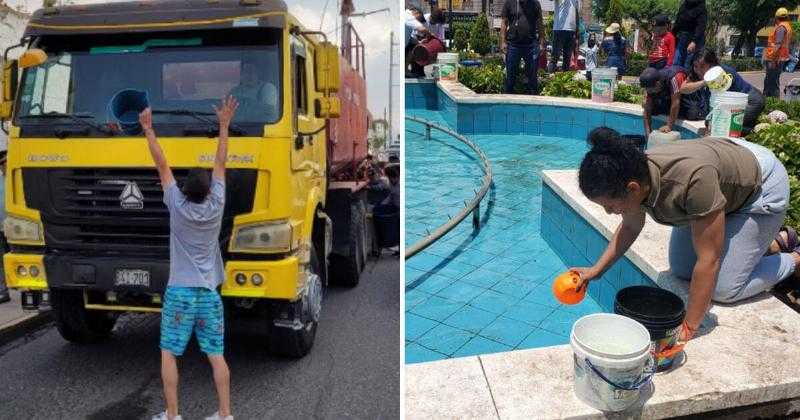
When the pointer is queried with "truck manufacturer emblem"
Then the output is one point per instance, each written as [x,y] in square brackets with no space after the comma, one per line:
[131,197]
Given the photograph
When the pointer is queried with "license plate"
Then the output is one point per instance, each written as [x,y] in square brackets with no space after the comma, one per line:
[134,278]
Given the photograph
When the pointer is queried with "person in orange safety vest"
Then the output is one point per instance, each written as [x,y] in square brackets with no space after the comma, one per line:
[777,52]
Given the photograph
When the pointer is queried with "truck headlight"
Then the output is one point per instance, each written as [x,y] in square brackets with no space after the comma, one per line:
[263,237]
[18,229]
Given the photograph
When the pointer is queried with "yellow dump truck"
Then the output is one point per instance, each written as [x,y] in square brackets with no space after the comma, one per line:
[86,226]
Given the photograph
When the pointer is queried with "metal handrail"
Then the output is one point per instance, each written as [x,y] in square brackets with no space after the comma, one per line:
[472,206]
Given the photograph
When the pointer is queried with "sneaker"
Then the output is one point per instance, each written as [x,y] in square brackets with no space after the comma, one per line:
[163,416]
[216,416]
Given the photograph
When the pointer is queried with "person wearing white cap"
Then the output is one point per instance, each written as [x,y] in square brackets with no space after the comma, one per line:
[615,47]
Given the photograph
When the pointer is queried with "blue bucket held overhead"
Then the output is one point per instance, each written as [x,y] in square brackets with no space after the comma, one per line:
[125,107]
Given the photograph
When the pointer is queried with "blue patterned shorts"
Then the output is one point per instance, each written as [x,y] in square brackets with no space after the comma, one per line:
[188,309]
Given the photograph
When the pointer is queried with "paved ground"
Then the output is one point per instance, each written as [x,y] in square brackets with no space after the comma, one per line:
[352,372]
[757,79]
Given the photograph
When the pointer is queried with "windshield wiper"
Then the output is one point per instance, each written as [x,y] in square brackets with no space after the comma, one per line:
[200,116]
[79,118]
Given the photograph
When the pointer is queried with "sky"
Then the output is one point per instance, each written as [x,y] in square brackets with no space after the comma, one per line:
[374,31]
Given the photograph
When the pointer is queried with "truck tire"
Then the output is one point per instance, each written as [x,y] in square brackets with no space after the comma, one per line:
[347,269]
[76,323]
[296,343]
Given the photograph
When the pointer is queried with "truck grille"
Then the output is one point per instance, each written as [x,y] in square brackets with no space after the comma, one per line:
[82,208]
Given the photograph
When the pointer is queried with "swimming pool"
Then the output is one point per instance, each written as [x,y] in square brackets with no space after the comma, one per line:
[490,291]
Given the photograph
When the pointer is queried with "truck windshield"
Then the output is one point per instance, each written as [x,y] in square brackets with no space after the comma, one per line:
[192,78]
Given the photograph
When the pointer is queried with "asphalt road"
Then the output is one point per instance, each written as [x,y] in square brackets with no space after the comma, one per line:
[757,79]
[352,371]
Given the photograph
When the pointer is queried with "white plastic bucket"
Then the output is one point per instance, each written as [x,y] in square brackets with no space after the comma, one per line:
[448,66]
[612,359]
[791,92]
[604,81]
[727,113]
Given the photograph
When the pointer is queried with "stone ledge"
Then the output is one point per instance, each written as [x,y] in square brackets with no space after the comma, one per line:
[464,95]
[745,354]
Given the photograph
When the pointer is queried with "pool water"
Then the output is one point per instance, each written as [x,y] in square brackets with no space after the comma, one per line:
[488,291]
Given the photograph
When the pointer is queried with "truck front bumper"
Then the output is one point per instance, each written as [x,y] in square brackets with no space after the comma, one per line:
[281,279]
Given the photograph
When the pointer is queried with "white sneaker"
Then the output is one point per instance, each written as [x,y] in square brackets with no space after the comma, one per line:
[163,416]
[216,416]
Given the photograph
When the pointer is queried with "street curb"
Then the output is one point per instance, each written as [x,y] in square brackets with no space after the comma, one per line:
[22,326]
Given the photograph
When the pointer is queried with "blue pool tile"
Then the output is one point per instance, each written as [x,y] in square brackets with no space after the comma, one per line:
[528,312]
[482,123]
[514,287]
[499,115]
[433,283]
[494,302]
[424,261]
[502,265]
[551,129]
[533,128]
[578,131]
[475,257]
[559,322]
[413,274]
[460,292]
[470,319]
[586,307]
[491,246]
[482,278]
[479,345]
[436,308]
[541,338]
[607,296]
[445,339]
[543,295]
[549,114]
[416,326]
[455,269]
[532,113]
[415,297]
[418,354]
[507,331]
[516,119]
[596,119]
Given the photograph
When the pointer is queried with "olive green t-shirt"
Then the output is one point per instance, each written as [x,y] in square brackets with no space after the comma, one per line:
[691,179]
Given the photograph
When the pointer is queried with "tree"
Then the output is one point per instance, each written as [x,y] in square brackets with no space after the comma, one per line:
[643,12]
[749,16]
[614,13]
[481,39]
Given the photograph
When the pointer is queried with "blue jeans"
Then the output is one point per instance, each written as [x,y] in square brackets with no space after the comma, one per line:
[530,54]
[683,58]
[745,271]
[563,44]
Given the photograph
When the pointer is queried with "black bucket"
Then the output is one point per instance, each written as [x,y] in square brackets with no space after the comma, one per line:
[125,107]
[659,310]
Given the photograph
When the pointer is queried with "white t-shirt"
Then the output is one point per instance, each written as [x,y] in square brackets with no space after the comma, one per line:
[437,29]
[566,14]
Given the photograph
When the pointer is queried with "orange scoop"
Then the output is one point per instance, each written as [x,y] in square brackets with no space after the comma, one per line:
[565,288]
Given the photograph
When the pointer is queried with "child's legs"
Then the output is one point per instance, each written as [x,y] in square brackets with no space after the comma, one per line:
[222,380]
[169,377]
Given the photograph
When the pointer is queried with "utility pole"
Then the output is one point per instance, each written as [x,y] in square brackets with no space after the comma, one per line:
[391,80]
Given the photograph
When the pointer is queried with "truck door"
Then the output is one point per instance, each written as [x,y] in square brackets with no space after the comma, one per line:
[306,124]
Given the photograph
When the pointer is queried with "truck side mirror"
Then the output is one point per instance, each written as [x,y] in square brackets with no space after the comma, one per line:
[32,58]
[10,80]
[330,107]
[326,68]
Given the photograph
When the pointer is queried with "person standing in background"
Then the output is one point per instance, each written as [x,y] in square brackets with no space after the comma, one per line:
[565,32]
[522,38]
[777,53]
[689,31]
[436,22]
[590,53]
[615,48]
[663,49]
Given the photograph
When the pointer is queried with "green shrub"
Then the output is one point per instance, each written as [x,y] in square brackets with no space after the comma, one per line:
[489,78]
[461,39]
[632,94]
[784,141]
[563,85]
[637,56]
[744,64]
[792,109]
[636,67]
[481,37]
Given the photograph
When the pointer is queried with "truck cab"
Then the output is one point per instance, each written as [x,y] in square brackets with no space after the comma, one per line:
[87,228]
